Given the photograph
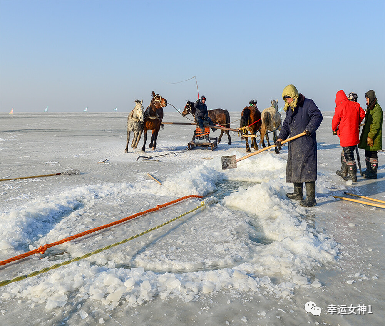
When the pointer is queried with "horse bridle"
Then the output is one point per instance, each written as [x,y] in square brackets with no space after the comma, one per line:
[188,107]
[158,98]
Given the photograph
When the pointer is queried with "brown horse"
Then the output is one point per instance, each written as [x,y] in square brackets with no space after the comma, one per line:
[153,119]
[250,125]
[218,116]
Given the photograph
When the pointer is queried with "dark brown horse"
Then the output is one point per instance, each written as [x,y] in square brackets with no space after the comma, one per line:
[250,125]
[218,116]
[153,119]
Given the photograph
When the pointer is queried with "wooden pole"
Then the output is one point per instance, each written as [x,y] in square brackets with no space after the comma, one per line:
[67,172]
[211,126]
[12,179]
[171,123]
[359,201]
[271,146]
[154,179]
[364,197]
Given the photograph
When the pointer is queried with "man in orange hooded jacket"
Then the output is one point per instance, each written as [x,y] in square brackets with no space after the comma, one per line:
[346,122]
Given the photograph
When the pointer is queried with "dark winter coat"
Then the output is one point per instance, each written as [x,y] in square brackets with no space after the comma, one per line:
[372,128]
[346,120]
[201,110]
[302,154]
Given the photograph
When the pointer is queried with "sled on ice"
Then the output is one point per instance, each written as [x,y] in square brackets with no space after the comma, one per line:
[203,139]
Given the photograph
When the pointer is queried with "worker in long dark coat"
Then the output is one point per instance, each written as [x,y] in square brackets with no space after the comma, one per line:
[302,115]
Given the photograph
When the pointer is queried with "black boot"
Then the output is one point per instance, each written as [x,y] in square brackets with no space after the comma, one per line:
[298,192]
[343,172]
[310,195]
[352,171]
[371,168]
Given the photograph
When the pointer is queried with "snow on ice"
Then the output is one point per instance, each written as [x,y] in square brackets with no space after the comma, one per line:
[248,238]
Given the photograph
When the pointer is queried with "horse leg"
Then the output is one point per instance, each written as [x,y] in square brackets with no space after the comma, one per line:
[128,141]
[275,140]
[139,136]
[220,136]
[133,144]
[275,136]
[262,132]
[254,143]
[247,145]
[153,138]
[267,139]
[136,139]
[145,140]
[229,138]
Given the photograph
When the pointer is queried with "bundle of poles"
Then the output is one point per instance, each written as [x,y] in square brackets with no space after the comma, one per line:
[377,204]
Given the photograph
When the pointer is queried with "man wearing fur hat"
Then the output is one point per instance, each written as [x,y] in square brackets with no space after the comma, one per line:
[371,136]
[302,115]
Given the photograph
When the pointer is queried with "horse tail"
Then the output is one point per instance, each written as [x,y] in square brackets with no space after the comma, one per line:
[266,118]
[227,119]
[245,116]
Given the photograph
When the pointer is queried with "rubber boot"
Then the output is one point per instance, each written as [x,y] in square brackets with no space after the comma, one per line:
[310,195]
[298,192]
[343,172]
[371,168]
[352,171]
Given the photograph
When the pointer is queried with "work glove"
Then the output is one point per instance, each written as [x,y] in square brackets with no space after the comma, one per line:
[308,133]
[369,141]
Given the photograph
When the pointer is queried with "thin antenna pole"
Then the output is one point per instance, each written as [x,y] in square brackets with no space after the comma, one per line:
[196,82]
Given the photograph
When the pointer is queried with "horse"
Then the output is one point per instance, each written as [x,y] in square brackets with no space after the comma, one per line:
[218,116]
[153,119]
[250,125]
[135,123]
[271,121]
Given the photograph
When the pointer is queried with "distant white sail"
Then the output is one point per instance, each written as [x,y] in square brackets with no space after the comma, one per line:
[86,109]
[11,112]
[46,109]
[116,109]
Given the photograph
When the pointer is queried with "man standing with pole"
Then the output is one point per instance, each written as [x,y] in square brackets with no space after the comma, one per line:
[302,115]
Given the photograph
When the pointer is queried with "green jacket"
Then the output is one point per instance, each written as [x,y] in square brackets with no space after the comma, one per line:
[373,129]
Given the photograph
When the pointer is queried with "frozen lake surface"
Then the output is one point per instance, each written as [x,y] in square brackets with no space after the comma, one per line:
[249,256]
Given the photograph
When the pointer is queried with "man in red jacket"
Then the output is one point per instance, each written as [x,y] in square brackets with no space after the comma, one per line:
[346,122]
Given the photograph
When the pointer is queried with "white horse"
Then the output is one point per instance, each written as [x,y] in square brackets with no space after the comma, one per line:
[135,123]
[271,121]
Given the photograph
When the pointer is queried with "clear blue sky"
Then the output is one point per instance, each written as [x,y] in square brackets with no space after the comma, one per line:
[72,54]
